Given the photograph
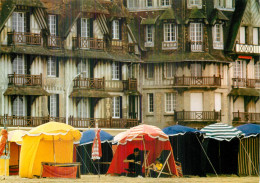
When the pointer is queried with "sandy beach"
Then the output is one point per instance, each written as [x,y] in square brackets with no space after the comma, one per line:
[103,178]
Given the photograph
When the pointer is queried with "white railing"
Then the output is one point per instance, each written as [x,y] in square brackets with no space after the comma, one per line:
[169,45]
[245,48]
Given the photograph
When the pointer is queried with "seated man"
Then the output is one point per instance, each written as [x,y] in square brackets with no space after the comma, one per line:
[134,161]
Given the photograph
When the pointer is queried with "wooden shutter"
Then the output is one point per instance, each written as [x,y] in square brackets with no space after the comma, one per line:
[165,70]
[49,105]
[57,105]
[120,70]
[91,27]
[145,70]
[27,22]
[57,67]
[79,27]
[120,29]
[57,25]
[121,110]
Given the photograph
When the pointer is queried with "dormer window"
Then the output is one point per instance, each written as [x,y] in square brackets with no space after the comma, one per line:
[19,22]
[115,29]
[218,36]
[224,4]
[165,2]
[53,25]
[196,37]
[149,42]
[149,3]
[195,3]
[85,27]
[133,3]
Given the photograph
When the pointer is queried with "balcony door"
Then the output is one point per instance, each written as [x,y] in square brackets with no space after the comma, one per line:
[19,109]
[83,111]
[238,74]
[19,69]
[133,107]
[196,73]
[83,68]
[85,33]
[196,106]
[196,36]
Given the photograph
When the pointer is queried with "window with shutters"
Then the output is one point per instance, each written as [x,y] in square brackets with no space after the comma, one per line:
[150,102]
[149,36]
[170,70]
[195,3]
[218,36]
[196,69]
[238,69]
[82,108]
[196,36]
[52,24]
[19,22]
[150,71]
[170,102]
[115,70]
[19,65]
[115,29]
[82,68]
[53,105]
[224,4]
[116,107]
[52,67]
[18,107]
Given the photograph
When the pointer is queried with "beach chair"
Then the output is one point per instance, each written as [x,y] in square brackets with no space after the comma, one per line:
[164,159]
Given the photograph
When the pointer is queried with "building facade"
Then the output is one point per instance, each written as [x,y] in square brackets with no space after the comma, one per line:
[124,62]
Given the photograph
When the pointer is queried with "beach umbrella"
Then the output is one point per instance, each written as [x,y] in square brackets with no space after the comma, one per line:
[179,130]
[16,136]
[221,131]
[249,130]
[89,136]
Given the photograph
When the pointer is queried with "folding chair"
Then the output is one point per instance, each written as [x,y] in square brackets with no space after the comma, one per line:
[164,159]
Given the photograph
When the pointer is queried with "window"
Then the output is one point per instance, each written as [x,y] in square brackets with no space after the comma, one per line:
[82,68]
[131,71]
[19,65]
[85,27]
[53,105]
[216,69]
[115,29]
[196,36]
[52,67]
[115,71]
[19,104]
[196,70]
[150,71]
[82,108]
[149,3]
[19,22]
[255,35]
[52,24]
[194,3]
[242,35]
[165,2]
[226,4]
[133,3]
[170,102]
[116,107]
[150,102]
[218,36]
[170,32]
[170,70]
[149,33]
[257,70]
[238,69]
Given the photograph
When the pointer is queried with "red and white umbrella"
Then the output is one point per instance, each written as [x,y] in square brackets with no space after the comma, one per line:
[96,148]
[141,131]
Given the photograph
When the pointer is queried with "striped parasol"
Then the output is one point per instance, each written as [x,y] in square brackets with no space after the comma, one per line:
[141,131]
[221,131]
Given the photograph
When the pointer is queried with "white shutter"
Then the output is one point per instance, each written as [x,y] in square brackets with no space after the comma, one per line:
[217,101]
[255,36]
[196,102]
[242,35]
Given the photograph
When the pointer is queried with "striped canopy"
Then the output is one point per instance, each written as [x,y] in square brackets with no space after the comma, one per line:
[221,131]
[142,132]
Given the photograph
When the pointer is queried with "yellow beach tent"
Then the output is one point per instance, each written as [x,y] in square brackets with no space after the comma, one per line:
[50,142]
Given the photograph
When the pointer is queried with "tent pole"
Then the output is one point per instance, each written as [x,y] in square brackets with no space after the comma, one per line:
[144,158]
[219,157]
[90,158]
[82,160]
[207,156]
[53,149]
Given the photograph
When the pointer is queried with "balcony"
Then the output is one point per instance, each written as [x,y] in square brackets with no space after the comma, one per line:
[89,83]
[245,48]
[197,115]
[24,80]
[26,38]
[117,44]
[130,85]
[196,46]
[169,45]
[55,42]
[88,43]
[187,81]
[246,117]
[102,122]
[245,83]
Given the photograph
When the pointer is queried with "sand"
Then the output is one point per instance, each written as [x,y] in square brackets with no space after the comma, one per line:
[123,179]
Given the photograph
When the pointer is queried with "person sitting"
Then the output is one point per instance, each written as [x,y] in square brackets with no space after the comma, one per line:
[134,161]
[155,167]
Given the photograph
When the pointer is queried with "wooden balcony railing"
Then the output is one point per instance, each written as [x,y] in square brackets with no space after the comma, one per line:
[28,121]
[245,48]
[246,117]
[197,115]
[197,81]
[114,85]
[24,38]
[102,122]
[130,84]
[55,42]
[246,83]
[24,80]
[88,43]
[197,46]
[89,83]
[117,44]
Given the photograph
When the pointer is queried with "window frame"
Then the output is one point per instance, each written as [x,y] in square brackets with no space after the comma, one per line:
[116,110]
[238,69]
[19,105]
[147,2]
[172,70]
[164,3]
[115,70]
[19,23]
[83,108]
[218,44]
[52,67]
[170,101]
[52,20]
[115,30]
[150,102]
[150,67]
[53,105]
[19,62]
[257,70]
[192,3]
[224,5]
[147,28]
[172,30]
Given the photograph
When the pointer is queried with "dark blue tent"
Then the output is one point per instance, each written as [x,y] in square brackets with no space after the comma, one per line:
[186,147]
[250,129]
[84,151]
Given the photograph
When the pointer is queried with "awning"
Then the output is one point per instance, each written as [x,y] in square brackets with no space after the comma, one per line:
[89,93]
[245,92]
[26,90]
